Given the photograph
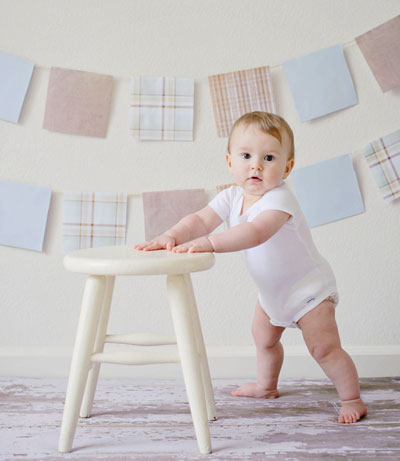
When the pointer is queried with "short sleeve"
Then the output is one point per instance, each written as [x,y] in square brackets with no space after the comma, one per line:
[280,198]
[222,203]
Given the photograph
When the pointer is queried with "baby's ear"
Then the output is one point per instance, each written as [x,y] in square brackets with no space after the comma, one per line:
[289,168]
[228,159]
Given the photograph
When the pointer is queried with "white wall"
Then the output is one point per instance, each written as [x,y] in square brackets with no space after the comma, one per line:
[40,301]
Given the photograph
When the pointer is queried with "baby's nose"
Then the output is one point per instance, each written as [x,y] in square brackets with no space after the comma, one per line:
[256,165]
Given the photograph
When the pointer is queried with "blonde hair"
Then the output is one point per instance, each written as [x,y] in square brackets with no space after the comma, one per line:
[268,123]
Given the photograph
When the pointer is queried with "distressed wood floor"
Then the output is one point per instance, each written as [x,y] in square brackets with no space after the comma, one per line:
[142,420]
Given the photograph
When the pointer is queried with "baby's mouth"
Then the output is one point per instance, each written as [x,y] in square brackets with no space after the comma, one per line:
[255,178]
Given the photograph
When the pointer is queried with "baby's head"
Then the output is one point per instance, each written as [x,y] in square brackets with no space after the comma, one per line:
[271,124]
[260,152]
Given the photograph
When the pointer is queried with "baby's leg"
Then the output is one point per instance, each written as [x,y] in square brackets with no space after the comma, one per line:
[269,358]
[322,338]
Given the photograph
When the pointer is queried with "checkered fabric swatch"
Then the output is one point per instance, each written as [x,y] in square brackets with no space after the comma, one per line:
[383,157]
[93,219]
[162,210]
[381,49]
[161,108]
[78,102]
[236,93]
[223,187]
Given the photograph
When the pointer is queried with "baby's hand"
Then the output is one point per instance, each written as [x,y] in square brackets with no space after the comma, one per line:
[199,245]
[159,243]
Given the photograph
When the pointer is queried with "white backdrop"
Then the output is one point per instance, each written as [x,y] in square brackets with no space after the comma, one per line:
[40,301]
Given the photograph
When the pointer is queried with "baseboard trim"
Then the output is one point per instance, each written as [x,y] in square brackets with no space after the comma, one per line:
[225,362]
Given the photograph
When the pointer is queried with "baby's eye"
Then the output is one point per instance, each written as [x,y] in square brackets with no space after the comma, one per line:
[269,158]
[245,155]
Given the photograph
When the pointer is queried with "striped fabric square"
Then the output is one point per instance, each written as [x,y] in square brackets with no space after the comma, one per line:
[164,209]
[93,219]
[381,49]
[383,157]
[161,108]
[236,93]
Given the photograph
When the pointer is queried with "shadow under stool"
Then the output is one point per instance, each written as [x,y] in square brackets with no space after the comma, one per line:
[102,266]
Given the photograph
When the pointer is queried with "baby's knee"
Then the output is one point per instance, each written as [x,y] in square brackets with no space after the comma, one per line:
[264,339]
[321,351]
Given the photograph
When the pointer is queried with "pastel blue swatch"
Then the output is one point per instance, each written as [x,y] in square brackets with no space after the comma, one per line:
[328,191]
[320,83]
[23,215]
[15,75]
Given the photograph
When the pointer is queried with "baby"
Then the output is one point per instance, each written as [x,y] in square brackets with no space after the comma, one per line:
[297,288]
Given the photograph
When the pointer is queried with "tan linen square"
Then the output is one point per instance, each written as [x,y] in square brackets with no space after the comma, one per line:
[381,49]
[236,93]
[78,102]
[163,210]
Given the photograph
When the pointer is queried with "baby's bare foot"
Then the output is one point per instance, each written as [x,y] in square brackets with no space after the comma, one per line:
[352,411]
[255,390]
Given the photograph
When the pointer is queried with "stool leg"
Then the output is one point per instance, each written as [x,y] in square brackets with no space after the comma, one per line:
[94,370]
[205,370]
[180,302]
[83,348]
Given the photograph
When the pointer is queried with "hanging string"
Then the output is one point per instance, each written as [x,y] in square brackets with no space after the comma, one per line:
[275,66]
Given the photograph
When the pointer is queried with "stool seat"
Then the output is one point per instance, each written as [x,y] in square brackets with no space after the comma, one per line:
[103,265]
[124,260]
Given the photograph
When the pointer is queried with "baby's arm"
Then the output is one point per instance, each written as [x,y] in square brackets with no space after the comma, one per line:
[241,237]
[188,228]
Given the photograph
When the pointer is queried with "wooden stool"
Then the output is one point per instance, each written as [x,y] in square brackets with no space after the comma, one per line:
[102,265]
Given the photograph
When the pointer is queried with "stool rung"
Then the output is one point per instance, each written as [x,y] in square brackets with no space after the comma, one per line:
[135,357]
[141,339]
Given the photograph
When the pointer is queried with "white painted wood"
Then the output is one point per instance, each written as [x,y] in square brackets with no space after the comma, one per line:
[141,339]
[83,348]
[124,260]
[92,328]
[135,357]
[180,304]
[205,370]
[94,369]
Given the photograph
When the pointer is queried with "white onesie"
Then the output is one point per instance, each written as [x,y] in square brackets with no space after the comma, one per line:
[291,276]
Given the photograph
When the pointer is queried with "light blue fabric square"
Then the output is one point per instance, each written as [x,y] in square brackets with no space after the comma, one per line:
[328,191]
[15,75]
[320,83]
[23,215]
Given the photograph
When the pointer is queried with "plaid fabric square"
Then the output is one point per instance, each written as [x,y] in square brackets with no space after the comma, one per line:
[223,187]
[236,93]
[381,49]
[161,108]
[93,219]
[383,157]
[162,210]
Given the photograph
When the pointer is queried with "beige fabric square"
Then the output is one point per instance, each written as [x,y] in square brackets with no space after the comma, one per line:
[236,93]
[381,49]
[78,102]
[163,210]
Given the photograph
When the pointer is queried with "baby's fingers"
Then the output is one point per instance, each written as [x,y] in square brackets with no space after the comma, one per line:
[180,249]
[139,246]
[148,246]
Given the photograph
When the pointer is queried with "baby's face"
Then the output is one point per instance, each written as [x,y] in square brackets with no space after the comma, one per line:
[257,161]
